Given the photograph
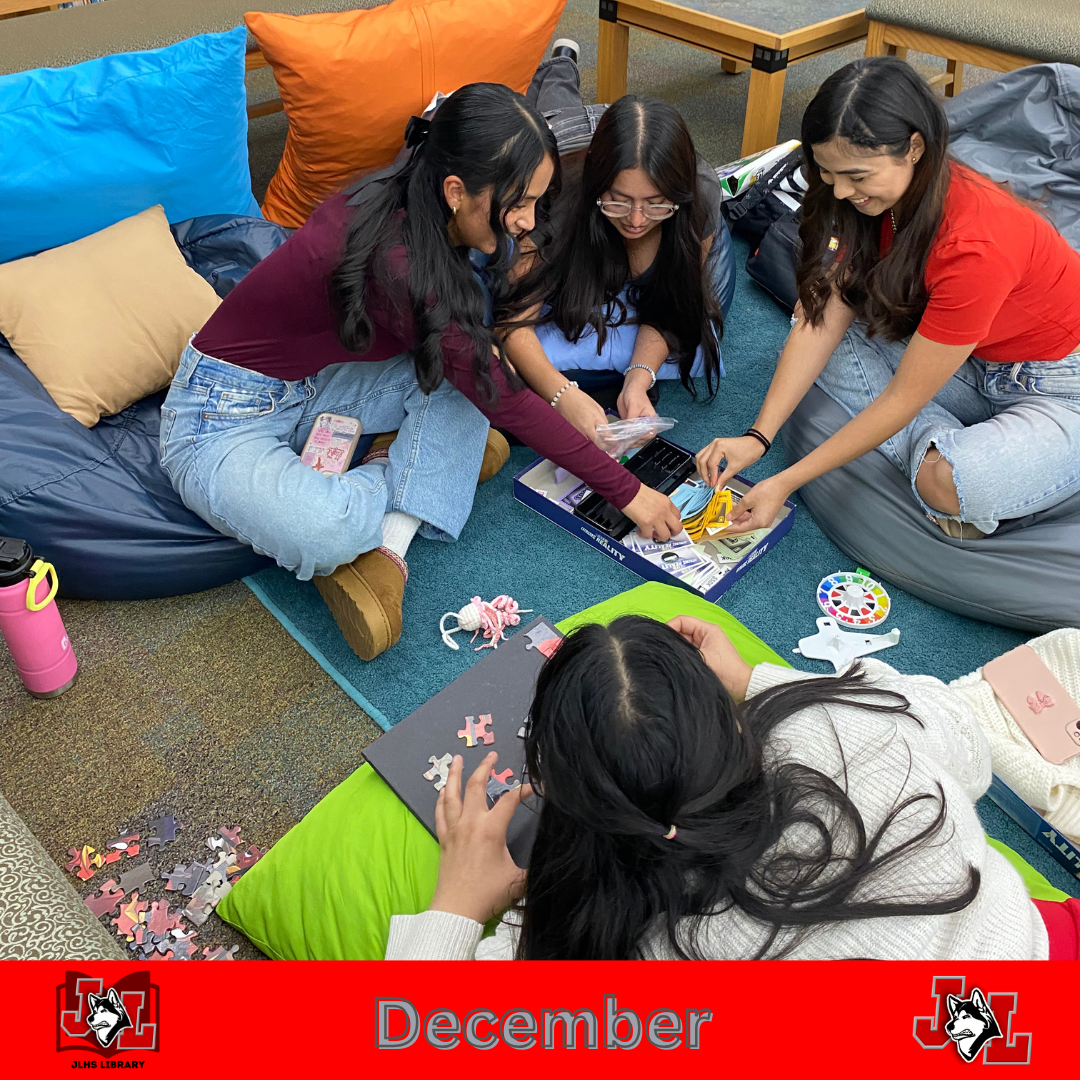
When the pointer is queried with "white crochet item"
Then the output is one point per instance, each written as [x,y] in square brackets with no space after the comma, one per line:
[1054,790]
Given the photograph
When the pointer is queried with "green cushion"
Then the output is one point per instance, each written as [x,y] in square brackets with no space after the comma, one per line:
[1037,886]
[327,889]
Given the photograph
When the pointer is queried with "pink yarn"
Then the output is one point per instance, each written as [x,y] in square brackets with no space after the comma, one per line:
[495,618]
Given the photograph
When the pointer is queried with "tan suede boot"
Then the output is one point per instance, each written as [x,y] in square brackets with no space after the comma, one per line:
[496,453]
[364,597]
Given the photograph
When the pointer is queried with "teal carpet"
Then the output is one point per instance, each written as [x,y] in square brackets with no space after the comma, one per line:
[508,548]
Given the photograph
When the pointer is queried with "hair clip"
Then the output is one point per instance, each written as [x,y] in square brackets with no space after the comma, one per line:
[670,834]
[416,131]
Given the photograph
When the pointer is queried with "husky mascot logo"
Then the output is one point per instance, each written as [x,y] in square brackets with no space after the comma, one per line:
[94,1017]
[971,1025]
[105,1013]
[979,1025]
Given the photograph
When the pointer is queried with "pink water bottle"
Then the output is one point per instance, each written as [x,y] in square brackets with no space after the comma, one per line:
[31,623]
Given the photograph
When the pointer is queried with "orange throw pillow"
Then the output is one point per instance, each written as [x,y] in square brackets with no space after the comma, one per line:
[351,80]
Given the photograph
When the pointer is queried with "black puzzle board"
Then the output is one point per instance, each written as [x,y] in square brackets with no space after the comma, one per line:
[501,684]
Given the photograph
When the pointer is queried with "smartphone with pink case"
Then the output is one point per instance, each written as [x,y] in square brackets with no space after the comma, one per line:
[330,446]
[1041,706]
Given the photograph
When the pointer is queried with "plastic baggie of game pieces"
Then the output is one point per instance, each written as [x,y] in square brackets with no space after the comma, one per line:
[623,435]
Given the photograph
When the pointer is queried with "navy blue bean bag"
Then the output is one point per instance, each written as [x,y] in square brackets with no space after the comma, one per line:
[95,501]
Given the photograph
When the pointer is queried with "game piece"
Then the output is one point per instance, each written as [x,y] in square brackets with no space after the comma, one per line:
[137,877]
[186,879]
[853,599]
[498,785]
[132,914]
[161,830]
[107,900]
[125,844]
[841,647]
[440,769]
[161,920]
[232,835]
[474,730]
[545,639]
[158,956]
[245,860]
[146,943]
[480,616]
[227,840]
[206,897]
[84,863]
[219,952]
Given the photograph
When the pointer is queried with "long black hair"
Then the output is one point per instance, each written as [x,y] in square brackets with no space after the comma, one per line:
[488,136]
[877,104]
[589,266]
[631,733]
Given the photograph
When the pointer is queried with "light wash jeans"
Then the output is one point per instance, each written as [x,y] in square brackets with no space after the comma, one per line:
[231,439]
[1011,432]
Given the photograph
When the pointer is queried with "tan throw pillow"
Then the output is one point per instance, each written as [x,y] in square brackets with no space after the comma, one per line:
[102,322]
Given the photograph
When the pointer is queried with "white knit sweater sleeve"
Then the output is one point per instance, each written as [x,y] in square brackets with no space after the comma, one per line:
[946,729]
[441,935]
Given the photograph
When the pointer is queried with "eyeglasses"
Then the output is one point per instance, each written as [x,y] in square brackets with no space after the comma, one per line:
[653,211]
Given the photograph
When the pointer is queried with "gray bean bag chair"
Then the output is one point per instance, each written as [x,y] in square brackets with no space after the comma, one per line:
[1026,574]
[1023,127]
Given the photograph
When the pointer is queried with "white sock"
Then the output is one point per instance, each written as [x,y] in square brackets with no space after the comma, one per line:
[398,529]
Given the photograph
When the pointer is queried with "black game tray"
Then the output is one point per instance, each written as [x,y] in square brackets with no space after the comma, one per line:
[659,464]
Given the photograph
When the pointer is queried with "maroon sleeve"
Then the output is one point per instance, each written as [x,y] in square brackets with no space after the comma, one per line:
[523,413]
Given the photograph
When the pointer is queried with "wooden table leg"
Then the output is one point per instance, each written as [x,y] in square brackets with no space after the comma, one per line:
[613,51]
[733,66]
[763,110]
[956,69]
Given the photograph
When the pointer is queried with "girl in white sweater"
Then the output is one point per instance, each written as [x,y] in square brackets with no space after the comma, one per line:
[694,807]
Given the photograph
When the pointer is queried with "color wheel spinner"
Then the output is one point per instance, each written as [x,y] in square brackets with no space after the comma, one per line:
[853,599]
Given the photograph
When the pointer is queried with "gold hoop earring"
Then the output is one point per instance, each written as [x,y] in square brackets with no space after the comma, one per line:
[453,210]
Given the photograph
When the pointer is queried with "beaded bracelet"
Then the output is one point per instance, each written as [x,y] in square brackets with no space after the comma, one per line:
[565,387]
[644,367]
[755,434]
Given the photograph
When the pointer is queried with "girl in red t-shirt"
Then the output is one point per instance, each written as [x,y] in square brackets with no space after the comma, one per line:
[942,313]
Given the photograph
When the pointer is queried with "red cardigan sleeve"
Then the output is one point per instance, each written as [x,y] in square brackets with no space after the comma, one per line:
[523,413]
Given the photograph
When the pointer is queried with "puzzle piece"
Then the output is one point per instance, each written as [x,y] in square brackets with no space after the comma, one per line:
[227,840]
[545,639]
[132,914]
[186,879]
[476,731]
[107,900]
[147,944]
[161,919]
[245,860]
[161,830]
[232,835]
[498,784]
[439,771]
[137,877]
[841,647]
[125,844]
[206,897]
[219,953]
[84,863]
[158,956]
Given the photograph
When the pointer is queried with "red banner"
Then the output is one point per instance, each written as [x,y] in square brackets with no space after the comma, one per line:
[833,1020]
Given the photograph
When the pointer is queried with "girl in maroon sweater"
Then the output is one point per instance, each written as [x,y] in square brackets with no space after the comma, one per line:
[380,274]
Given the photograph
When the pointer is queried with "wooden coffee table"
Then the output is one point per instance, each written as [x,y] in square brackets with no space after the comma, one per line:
[764,35]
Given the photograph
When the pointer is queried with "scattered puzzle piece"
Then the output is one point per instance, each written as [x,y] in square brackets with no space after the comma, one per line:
[107,901]
[132,914]
[219,953]
[232,835]
[206,897]
[545,639]
[439,771]
[161,919]
[84,863]
[158,956]
[186,879]
[245,860]
[125,844]
[498,784]
[161,830]
[476,731]
[137,877]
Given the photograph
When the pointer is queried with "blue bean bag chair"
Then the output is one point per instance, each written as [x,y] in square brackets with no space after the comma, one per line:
[95,502]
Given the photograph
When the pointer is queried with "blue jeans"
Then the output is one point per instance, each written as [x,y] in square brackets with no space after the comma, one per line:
[1011,432]
[231,440]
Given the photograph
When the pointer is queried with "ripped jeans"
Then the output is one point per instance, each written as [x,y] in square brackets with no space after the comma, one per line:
[1011,432]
